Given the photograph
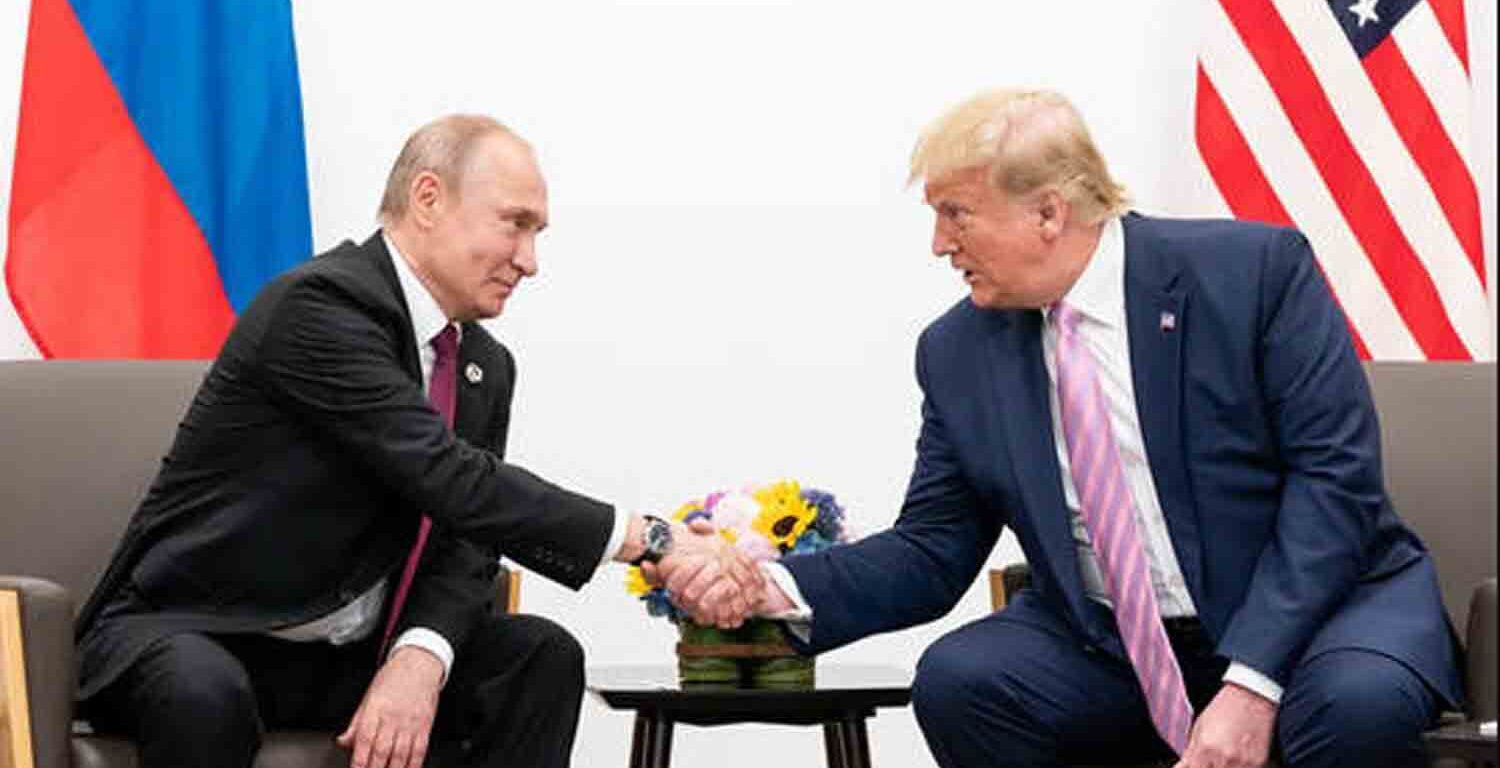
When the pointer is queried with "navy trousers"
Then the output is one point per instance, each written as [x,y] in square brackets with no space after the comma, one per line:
[1006,691]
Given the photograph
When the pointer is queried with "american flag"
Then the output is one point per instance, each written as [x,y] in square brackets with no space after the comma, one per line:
[1350,119]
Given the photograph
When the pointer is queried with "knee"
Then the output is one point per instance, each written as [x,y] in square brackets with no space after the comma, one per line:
[942,691]
[1354,705]
[191,675]
[557,655]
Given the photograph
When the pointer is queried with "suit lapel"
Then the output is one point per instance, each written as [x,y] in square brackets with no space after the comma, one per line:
[1022,389]
[1155,311]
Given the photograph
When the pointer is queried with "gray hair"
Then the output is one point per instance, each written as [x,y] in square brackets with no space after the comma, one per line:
[442,147]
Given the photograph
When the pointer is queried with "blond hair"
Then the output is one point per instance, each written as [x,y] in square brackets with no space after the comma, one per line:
[1030,140]
[442,147]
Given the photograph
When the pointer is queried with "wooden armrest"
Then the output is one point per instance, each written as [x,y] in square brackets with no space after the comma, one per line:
[507,591]
[1006,582]
[15,706]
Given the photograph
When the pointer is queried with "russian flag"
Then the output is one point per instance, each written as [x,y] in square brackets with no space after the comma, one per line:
[160,177]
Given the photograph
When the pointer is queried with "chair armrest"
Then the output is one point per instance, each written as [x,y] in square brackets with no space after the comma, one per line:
[1480,652]
[1006,582]
[47,645]
[507,591]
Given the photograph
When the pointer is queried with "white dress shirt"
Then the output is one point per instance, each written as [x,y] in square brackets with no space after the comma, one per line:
[1099,296]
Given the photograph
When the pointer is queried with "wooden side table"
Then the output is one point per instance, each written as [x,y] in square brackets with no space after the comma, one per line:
[841,700]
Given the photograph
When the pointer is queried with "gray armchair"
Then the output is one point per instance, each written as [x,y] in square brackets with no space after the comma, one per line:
[81,442]
[1437,429]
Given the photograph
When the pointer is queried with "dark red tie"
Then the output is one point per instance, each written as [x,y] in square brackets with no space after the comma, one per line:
[440,392]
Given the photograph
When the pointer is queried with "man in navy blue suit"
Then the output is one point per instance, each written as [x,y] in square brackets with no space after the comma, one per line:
[1299,614]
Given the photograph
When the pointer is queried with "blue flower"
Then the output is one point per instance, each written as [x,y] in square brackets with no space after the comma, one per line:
[811,541]
[830,520]
[659,603]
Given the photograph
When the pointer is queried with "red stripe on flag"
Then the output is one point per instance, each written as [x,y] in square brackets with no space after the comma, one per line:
[1238,175]
[1430,145]
[94,222]
[1450,16]
[1354,190]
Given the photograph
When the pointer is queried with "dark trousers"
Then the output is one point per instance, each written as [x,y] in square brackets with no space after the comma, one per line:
[1003,691]
[512,697]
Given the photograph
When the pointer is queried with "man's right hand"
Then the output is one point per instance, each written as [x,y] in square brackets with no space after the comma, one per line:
[392,725]
[709,579]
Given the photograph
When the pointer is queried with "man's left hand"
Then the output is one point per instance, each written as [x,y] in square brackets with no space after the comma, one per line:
[1233,732]
[391,727]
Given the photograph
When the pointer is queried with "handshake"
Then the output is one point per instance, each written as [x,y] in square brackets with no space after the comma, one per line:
[712,581]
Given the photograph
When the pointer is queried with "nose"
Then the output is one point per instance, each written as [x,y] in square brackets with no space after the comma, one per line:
[525,258]
[943,243]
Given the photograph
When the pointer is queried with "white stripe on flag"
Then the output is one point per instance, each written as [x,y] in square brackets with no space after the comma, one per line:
[1437,68]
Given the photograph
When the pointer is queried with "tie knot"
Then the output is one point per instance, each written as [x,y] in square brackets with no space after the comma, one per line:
[1065,316]
[445,343]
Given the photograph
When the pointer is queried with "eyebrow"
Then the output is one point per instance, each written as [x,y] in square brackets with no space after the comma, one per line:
[526,216]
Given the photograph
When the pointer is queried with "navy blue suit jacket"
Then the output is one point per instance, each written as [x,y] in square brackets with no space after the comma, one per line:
[1262,441]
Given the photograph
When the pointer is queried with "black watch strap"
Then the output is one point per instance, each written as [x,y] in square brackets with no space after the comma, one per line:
[656,540]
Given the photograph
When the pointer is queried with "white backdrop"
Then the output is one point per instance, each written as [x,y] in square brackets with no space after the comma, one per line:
[736,275]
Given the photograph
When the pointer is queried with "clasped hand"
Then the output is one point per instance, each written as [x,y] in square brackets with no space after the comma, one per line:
[711,581]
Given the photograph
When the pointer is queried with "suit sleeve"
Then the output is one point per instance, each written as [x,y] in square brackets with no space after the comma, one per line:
[1328,442]
[328,359]
[918,569]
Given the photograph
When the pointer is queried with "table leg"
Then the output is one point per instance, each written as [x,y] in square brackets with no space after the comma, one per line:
[852,739]
[833,744]
[651,746]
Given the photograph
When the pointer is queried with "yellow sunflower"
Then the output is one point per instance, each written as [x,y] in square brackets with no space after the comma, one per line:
[783,514]
[635,582]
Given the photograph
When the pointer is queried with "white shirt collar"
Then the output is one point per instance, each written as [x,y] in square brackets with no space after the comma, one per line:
[427,318]
[1099,292]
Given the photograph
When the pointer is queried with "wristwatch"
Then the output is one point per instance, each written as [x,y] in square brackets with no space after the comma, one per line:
[656,541]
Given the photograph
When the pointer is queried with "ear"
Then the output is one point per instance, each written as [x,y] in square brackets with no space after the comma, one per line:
[1051,212]
[425,199]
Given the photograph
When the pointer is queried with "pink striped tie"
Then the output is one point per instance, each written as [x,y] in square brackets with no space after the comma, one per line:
[441,391]
[1109,515]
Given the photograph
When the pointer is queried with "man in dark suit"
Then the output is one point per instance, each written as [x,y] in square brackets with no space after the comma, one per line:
[320,545]
[1171,417]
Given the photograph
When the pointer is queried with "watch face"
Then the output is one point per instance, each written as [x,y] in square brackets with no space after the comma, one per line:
[658,539]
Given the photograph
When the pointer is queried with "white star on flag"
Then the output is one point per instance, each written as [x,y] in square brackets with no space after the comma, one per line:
[1365,10]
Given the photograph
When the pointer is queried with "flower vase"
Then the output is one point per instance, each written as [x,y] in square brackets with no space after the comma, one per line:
[753,655]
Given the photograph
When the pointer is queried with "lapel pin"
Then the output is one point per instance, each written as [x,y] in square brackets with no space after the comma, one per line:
[1168,322]
[473,373]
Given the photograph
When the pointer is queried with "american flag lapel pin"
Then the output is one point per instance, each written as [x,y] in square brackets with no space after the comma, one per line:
[1168,322]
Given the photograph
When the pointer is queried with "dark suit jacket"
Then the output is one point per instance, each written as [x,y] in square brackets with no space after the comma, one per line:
[301,470]
[1262,441]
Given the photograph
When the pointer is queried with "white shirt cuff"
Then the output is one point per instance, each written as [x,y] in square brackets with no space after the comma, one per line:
[798,618]
[616,537]
[429,641]
[1253,681]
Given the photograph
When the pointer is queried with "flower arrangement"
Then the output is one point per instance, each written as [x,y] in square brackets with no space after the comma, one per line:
[763,522]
